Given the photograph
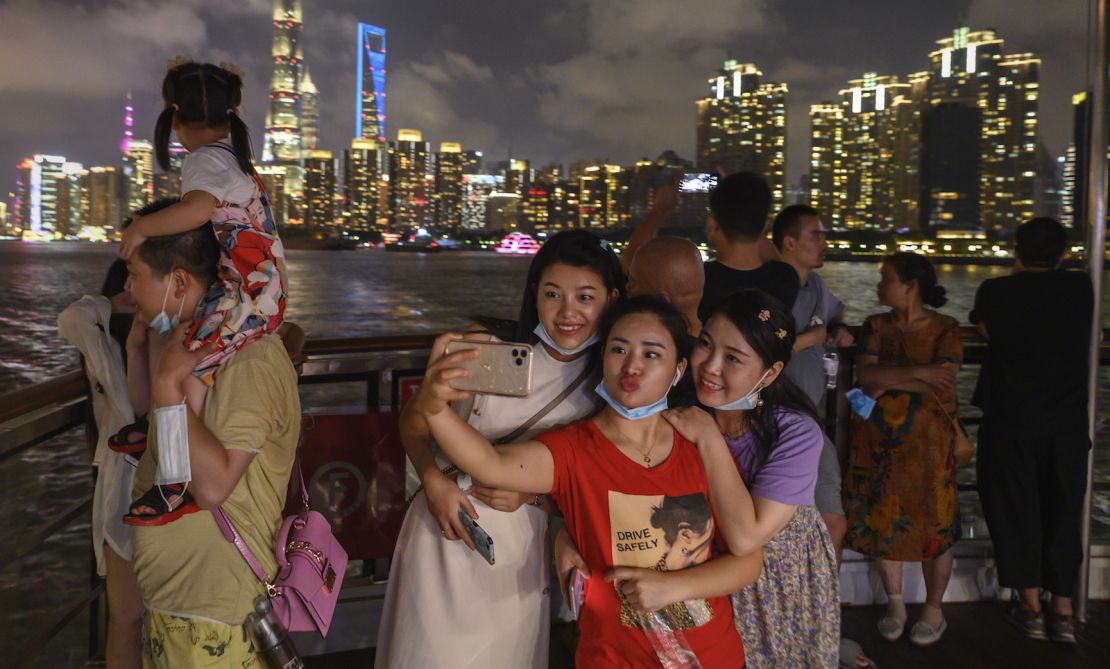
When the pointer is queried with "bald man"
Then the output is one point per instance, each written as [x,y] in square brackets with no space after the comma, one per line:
[670,267]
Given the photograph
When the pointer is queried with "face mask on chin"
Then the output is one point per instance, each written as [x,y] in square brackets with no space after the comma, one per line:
[541,332]
[749,401]
[638,413]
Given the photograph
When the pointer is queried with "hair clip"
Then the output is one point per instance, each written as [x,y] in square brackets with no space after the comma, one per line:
[604,243]
[178,62]
[229,67]
[780,333]
[764,315]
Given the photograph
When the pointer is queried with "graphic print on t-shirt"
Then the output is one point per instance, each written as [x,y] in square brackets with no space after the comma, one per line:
[666,534]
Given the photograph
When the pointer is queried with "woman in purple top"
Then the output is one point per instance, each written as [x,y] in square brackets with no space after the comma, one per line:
[791,616]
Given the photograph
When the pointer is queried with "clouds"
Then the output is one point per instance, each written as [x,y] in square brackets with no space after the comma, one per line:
[92,51]
[426,95]
[631,90]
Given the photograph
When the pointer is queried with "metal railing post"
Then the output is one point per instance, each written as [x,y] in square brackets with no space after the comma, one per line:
[1096,252]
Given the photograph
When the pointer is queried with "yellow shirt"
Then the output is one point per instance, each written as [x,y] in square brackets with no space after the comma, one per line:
[186,567]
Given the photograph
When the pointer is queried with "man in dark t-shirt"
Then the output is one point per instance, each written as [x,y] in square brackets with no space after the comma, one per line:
[1033,442]
[738,210]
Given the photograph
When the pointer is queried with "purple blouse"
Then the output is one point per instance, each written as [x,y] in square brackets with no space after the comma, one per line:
[790,473]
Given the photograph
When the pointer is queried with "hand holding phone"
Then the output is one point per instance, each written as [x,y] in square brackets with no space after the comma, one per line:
[698,182]
[483,542]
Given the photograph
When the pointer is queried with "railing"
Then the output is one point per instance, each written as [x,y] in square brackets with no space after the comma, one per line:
[32,415]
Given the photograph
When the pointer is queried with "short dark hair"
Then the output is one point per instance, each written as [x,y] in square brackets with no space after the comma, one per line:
[789,223]
[1040,242]
[741,203]
[196,251]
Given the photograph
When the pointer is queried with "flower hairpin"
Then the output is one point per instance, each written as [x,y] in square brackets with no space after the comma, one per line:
[229,67]
[764,315]
[178,62]
[780,333]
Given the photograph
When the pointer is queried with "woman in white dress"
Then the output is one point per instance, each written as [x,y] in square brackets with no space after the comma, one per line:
[95,325]
[444,605]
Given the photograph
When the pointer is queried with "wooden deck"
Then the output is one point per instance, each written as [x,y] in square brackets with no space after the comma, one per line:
[978,637]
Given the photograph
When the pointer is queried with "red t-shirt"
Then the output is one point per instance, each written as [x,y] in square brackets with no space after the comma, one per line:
[621,514]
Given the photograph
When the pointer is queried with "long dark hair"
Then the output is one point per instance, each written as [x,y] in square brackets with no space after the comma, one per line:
[773,341]
[577,248]
[913,267]
[206,95]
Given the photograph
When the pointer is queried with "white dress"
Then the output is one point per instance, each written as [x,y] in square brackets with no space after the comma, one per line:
[444,605]
[84,324]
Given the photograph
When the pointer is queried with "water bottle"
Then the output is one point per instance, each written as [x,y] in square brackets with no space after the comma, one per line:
[271,640]
[832,365]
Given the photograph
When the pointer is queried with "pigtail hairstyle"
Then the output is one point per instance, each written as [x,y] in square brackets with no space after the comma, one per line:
[206,95]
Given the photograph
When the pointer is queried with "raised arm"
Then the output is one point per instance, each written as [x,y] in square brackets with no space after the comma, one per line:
[746,523]
[666,199]
[523,467]
[194,210]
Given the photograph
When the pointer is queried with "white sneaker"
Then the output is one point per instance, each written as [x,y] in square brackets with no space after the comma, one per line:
[891,628]
[923,634]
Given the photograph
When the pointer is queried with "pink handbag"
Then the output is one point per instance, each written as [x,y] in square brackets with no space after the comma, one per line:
[311,564]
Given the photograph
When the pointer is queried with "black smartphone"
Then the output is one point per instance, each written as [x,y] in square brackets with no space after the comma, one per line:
[482,541]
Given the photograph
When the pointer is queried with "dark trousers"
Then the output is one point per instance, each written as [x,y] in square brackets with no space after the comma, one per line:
[1032,486]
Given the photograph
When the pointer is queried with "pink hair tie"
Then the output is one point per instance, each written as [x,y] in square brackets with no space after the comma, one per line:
[175,107]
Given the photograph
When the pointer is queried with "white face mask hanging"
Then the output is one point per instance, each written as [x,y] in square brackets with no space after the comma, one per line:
[172,425]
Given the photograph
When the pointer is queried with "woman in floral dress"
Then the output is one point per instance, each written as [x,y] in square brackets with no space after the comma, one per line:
[900,487]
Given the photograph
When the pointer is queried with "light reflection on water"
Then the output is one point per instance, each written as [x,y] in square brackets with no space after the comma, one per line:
[334,294]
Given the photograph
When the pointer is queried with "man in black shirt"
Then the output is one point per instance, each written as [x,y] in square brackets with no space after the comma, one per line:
[738,210]
[1033,443]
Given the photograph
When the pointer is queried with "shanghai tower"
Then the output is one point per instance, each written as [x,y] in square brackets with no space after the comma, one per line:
[283,126]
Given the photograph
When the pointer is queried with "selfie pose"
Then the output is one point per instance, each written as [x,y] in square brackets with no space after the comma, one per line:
[633,491]
[445,604]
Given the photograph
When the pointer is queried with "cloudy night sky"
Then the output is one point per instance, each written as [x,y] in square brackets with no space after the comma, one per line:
[553,81]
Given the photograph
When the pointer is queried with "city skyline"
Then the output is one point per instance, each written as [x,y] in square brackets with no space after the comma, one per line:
[522,97]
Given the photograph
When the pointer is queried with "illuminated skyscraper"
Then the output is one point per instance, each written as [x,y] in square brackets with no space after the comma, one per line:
[319,189]
[4,218]
[865,155]
[411,180]
[310,114]
[603,197]
[283,127]
[273,180]
[969,69]
[41,194]
[742,126]
[364,166]
[449,187]
[100,202]
[477,189]
[68,207]
[370,118]
[21,198]
[167,183]
[138,174]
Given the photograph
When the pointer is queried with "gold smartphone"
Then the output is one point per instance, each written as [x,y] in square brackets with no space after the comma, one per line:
[501,368]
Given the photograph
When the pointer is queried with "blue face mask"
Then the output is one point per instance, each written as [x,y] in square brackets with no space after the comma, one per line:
[862,404]
[546,338]
[639,413]
[747,402]
[162,323]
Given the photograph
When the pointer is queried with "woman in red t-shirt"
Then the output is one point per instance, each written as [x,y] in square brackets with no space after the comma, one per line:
[634,494]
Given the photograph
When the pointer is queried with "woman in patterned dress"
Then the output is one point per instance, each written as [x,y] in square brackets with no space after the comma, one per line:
[900,487]
[790,617]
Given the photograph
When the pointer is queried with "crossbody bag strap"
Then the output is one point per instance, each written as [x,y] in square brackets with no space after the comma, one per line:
[233,537]
[556,401]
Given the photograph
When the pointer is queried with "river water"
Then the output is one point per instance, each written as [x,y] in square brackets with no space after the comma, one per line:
[333,294]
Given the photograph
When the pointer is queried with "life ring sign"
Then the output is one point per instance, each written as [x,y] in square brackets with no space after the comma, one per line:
[354,469]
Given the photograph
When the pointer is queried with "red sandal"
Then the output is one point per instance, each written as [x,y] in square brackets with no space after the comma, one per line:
[158,498]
